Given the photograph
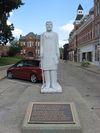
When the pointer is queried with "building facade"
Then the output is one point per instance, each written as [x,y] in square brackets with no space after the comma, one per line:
[85,37]
[30,45]
[73,35]
[4,50]
[97,30]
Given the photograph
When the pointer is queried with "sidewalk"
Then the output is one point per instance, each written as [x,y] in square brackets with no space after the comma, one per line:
[3,70]
[91,68]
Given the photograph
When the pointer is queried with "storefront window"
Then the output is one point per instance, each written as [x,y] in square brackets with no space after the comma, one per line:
[89,56]
[83,56]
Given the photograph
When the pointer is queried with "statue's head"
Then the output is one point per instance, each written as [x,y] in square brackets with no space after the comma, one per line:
[49,26]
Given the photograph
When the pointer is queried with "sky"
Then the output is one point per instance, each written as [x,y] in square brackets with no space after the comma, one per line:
[31,17]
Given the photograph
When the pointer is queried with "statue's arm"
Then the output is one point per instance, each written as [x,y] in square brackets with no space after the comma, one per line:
[41,46]
[57,42]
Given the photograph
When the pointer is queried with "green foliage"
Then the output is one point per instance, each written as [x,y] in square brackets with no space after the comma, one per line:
[14,48]
[85,63]
[6,6]
[9,5]
[8,60]
[61,52]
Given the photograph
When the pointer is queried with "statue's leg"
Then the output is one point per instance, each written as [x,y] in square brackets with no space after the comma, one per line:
[54,79]
[47,79]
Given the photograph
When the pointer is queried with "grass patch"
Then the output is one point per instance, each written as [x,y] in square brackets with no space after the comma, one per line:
[8,60]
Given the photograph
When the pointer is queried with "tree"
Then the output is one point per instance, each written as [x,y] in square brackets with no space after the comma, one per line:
[6,6]
[61,52]
[14,48]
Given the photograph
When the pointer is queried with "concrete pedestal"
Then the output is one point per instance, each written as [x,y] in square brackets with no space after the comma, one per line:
[58,89]
[49,127]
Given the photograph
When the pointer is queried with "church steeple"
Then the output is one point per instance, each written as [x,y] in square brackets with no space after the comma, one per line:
[80,9]
[79,14]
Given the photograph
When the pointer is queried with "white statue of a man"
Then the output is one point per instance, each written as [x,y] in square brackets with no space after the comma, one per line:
[49,53]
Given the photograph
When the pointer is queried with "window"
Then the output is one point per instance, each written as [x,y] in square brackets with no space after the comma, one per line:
[30,54]
[28,63]
[97,30]
[83,56]
[98,8]
[89,56]
[19,64]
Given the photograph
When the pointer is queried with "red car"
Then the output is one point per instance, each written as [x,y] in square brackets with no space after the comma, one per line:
[26,69]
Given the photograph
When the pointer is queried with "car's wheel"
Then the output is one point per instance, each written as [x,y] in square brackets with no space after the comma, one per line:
[33,78]
[10,75]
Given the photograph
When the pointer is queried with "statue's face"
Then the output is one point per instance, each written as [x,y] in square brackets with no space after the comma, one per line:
[49,26]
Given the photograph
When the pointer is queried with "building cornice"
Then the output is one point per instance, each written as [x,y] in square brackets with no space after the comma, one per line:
[85,44]
[86,23]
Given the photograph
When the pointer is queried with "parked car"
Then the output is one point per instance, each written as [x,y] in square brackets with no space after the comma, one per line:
[26,69]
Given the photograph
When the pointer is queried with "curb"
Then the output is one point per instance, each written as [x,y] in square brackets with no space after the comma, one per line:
[77,65]
[90,70]
[1,78]
[5,67]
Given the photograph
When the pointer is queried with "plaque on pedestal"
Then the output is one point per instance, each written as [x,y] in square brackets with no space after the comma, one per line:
[51,117]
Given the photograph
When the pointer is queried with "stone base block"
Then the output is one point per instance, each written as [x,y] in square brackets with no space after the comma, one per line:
[58,89]
[51,118]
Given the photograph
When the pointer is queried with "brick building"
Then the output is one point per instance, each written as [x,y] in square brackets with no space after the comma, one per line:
[30,45]
[4,50]
[73,35]
[85,38]
[97,29]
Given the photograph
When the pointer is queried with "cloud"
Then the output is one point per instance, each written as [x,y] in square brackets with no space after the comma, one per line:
[17,32]
[11,13]
[64,32]
[8,22]
[68,27]
[61,43]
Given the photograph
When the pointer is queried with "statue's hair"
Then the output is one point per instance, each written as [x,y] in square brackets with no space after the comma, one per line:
[49,22]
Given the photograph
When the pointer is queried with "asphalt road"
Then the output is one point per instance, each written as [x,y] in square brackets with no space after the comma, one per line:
[86,82]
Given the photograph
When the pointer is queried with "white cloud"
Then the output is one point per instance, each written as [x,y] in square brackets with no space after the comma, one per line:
[11,13]
[17,32]
[68,27]
[61,43]
[64,32]
[8,22]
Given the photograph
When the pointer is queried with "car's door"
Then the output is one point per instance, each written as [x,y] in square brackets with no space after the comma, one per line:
[25,72]
[30,67]
[17,71]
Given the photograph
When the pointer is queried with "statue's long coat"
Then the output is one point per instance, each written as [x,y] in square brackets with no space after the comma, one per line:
[49,51]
